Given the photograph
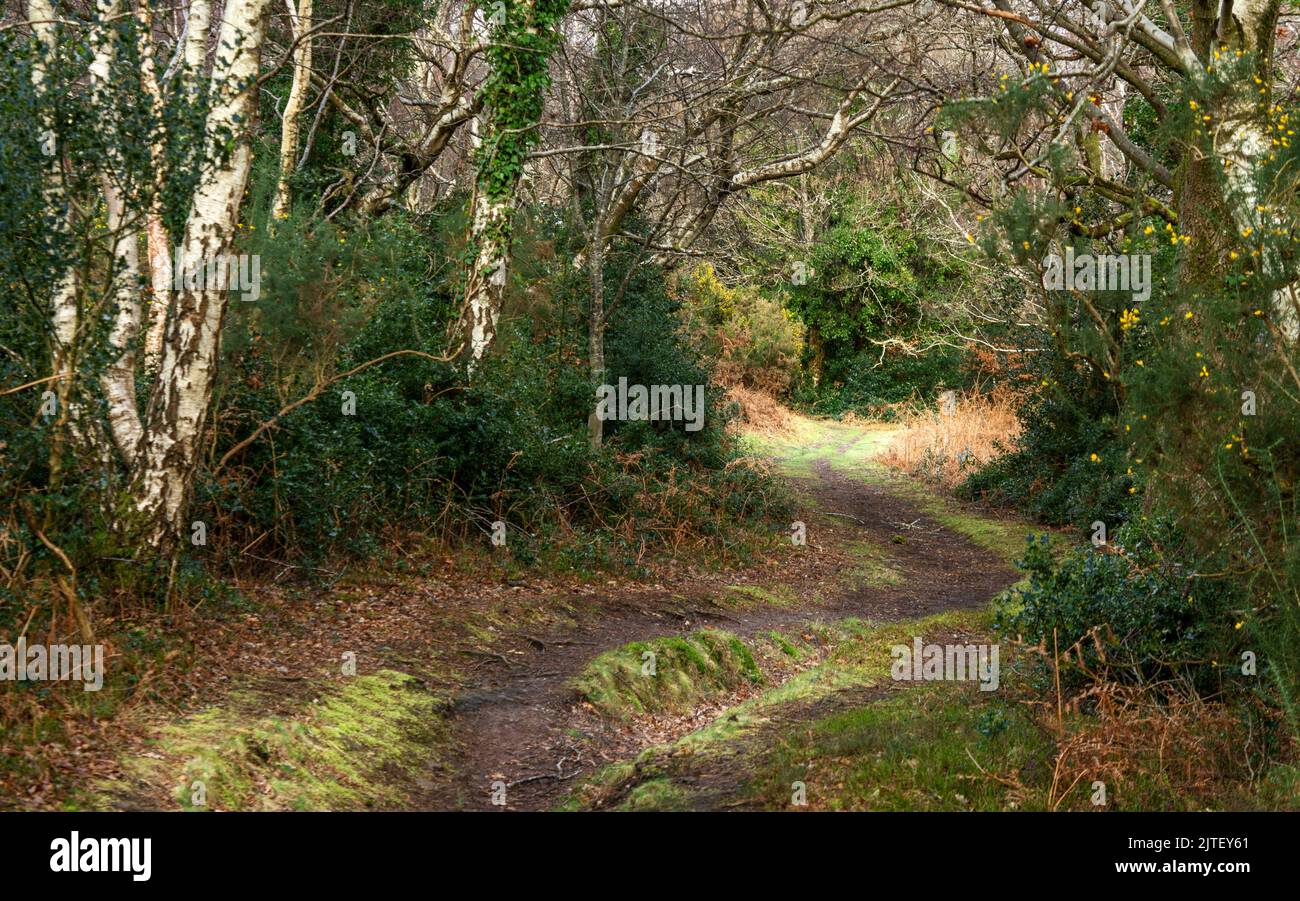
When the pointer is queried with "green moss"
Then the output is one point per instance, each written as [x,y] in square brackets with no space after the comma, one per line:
[353,747]
[655,794]
[772,595]
[857,657]
[785,645]
[666,674]
[928,746]
[938,745]
[912,751]
[748,667]
[873,567]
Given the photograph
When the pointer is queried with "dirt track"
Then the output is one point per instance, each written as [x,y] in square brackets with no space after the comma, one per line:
[520,723]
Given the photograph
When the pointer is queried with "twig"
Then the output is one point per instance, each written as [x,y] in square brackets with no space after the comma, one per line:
[1009,783]
[559,777]
[314,393]
[48,378]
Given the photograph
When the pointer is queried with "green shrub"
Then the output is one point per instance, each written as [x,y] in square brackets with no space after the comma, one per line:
[1135,612]
[412,448]
[873,385]
[876,273]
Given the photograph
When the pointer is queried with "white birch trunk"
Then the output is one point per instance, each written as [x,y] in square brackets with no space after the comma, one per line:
[179,405]
[64,314]
[117,381]
[197,26]
[293,106]
[157,241]
[160,289]
[487,278]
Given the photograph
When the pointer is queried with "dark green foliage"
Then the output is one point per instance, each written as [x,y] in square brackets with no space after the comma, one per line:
[426,453]
[644,345]
[1134,611]
[872,275]
[871,384]
[50,227]
[330,478]
[1187,398]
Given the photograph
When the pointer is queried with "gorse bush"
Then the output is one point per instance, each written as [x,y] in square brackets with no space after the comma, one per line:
[751,339]
[1189,398]
[1212,420]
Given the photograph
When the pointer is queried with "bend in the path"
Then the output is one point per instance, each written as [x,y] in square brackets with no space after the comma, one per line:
[520,725]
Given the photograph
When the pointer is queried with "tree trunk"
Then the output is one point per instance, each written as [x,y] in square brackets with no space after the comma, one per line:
[178,406]
[117,381]
[157,242]
[485,286]
[197,26]
[596,336]
[1204,204]
[293,106]
[159,249]
[64,312]
[512,116]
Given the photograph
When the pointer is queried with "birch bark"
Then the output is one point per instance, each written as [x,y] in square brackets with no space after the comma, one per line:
[117,381]
[293,105]
[64,313]
[178,405]
[157,242]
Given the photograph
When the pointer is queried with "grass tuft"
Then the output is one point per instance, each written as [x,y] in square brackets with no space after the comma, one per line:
[667,674]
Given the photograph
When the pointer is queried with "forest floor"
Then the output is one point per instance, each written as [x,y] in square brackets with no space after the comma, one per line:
[456,683]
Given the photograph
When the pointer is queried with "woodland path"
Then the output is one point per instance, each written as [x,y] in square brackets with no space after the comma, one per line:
[521,723]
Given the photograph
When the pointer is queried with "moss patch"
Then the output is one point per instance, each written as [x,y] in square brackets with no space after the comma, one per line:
[872,567]
[939,746]
[656,794]
[358,746]
[913,751]
[666,674]
[925,746]
[770,595]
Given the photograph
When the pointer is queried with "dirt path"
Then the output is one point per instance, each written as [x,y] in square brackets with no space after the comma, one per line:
[520,723]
